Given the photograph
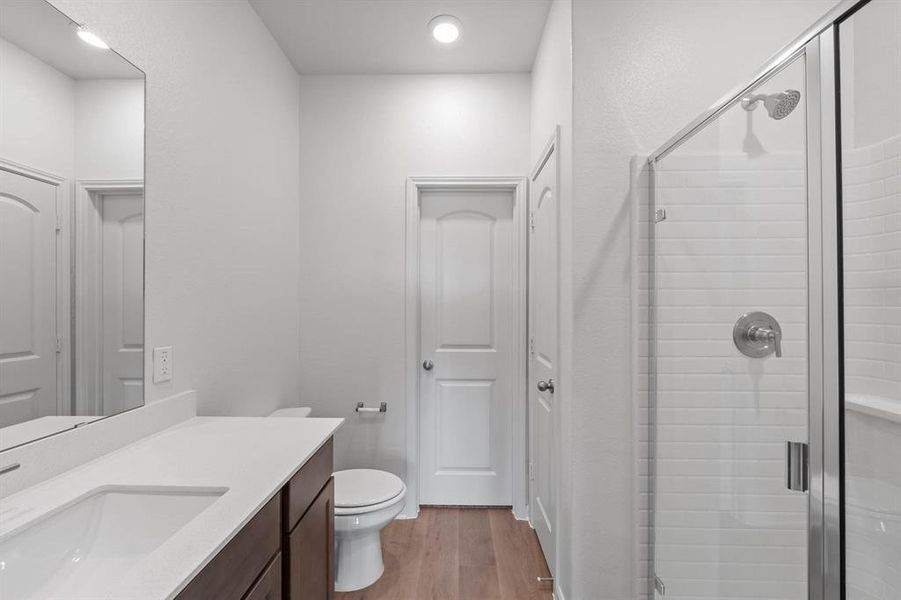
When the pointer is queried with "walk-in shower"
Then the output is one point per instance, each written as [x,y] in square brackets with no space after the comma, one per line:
[773,278]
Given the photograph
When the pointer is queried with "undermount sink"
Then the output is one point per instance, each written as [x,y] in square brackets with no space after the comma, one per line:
[95,539]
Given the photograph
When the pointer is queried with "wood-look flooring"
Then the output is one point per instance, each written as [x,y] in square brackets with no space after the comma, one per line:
[459,554]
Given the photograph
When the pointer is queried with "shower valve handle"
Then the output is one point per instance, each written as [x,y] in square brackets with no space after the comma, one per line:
[767,336]
[757,334]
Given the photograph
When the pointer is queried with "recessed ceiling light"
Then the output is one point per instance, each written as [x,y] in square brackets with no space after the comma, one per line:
[445,29]
[90,38]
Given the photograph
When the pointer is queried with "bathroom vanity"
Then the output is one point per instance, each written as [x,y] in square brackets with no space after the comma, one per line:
[287,550]
[214,507]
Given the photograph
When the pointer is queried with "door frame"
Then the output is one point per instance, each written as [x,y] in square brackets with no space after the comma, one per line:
[415,186]
[63,278]
[88,314]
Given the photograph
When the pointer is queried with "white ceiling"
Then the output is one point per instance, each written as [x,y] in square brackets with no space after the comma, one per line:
[48,35]
[391,36]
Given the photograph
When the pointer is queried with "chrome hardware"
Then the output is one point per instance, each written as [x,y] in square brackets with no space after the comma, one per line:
[545,579]
[546,386]
[659,215]
[757,334]
[796,466]
[658,585]
[428,365]
[8,468]
[383,407]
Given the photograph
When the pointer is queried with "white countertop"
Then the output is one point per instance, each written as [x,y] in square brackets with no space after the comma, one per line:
[251,456]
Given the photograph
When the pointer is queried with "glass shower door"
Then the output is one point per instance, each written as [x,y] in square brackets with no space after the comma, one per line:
[729,330]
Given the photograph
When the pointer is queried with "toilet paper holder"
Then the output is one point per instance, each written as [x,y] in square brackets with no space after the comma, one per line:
[383,407]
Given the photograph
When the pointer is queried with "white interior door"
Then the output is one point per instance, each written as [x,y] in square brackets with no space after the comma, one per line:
[27,298]
[543,328]
[468,307]
[123,301]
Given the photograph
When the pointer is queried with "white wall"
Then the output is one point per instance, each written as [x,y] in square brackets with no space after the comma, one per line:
[552,98]
[361,138]
[109,128]
[641,71]
[222,210]
[37,113]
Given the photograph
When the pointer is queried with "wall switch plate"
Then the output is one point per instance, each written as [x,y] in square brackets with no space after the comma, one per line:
[162,364]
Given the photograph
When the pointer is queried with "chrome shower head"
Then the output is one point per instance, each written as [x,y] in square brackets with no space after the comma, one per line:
[778,105]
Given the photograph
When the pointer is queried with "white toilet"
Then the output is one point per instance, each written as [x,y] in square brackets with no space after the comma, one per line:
[365,501]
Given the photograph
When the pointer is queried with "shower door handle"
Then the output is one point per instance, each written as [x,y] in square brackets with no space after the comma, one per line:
[796,466]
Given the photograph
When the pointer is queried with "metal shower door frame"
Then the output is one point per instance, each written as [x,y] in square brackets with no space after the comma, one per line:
[819,47]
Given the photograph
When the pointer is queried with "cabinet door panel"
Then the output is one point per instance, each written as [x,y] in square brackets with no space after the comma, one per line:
[303,488]
[269,585]
[311,550]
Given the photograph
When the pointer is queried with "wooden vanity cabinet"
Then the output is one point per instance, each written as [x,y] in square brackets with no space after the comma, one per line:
[286,551]
[310,551]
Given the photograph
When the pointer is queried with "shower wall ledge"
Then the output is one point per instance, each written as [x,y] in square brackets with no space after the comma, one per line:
[875,406]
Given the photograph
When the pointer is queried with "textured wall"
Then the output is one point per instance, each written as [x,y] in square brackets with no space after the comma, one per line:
[361,138]
[222,212]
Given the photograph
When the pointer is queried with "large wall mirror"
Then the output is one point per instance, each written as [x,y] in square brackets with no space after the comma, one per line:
[71,225]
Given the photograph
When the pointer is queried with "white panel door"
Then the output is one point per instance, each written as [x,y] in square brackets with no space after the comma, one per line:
[123,301]
[543,290]
[467,328]
[27,298]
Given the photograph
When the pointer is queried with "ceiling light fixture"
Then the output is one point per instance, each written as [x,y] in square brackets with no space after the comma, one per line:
[90,38]
[446,29]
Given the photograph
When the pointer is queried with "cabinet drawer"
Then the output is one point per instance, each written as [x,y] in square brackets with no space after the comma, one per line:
[231,573]
[269,585]
[303,488]
[310,551]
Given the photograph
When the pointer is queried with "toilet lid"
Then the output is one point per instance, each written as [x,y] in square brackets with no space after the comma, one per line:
[365,487]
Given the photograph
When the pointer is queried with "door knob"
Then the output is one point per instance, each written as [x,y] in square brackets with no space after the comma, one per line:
[546,386]
[428,365]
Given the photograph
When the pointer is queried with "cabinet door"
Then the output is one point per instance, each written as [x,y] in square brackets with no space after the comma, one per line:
[269,585]
[311,550]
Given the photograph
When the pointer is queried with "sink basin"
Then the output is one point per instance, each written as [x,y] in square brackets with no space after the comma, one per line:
[74,549]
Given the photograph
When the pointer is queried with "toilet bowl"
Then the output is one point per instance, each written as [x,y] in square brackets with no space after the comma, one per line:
[365,501]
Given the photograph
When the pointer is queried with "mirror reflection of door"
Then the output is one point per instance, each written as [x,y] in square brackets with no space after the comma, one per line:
[28,329]
[122,311]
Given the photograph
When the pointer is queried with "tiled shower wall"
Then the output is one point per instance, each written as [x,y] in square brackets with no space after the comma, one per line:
[871,222]
[734,241]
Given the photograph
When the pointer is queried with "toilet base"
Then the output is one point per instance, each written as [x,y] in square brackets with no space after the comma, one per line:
[359,559]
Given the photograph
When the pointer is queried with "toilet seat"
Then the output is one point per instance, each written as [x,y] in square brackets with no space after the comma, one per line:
[359,491]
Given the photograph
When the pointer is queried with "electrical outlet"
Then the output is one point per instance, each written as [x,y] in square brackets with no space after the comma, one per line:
[162,364]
